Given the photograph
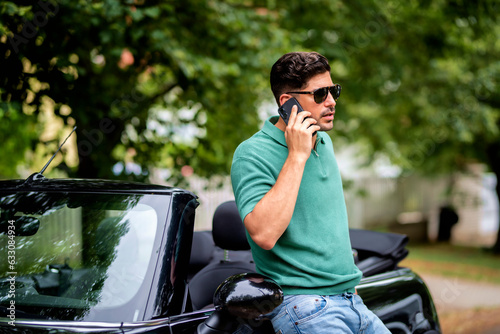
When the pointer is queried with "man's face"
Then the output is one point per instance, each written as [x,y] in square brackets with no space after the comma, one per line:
[323,112]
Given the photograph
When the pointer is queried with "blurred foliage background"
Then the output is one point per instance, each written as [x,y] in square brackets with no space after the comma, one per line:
[170,84]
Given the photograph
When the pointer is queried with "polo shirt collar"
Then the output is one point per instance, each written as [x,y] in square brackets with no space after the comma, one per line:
[274,132]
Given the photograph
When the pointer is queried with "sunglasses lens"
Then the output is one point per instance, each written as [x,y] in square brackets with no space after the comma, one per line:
[320,95]
[335,90]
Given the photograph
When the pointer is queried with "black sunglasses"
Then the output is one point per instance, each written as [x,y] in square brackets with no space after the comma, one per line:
[321,94]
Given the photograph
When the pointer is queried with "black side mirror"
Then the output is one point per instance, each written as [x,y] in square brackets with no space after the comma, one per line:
[243,296]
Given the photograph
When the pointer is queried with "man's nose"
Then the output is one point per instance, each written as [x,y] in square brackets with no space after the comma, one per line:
[330,100]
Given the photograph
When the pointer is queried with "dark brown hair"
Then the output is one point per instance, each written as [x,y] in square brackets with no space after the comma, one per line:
[293,70]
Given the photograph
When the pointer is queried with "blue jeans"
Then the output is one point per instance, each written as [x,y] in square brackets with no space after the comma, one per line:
[344,313]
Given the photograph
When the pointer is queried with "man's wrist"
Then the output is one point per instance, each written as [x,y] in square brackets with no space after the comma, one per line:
[298,159]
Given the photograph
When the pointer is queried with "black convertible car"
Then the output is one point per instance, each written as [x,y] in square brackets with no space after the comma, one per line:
[97,256]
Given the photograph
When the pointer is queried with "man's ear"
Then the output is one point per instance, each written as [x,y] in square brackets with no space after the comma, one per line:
[284,98]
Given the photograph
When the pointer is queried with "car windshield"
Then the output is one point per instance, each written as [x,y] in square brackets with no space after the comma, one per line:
[77,256]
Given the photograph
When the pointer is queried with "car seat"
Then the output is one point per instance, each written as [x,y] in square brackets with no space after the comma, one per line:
[228,233]
[202,252]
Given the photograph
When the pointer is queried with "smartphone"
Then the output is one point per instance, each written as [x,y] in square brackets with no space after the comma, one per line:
[286,109]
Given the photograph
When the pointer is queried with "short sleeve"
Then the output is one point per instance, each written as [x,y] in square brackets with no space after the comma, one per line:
[251,180]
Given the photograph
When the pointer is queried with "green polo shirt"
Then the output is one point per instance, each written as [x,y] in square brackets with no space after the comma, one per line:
[313,256]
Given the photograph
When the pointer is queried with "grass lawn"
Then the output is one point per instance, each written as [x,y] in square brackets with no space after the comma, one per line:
[454,261]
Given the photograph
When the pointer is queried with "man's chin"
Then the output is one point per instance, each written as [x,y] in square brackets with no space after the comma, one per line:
[326,126]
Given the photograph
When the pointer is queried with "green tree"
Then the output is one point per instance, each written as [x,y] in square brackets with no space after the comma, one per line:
[131,75]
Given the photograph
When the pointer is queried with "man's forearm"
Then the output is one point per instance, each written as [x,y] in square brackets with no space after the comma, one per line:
[272,214]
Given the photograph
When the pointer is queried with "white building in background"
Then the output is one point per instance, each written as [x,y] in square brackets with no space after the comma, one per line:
[477,205]
[490,207]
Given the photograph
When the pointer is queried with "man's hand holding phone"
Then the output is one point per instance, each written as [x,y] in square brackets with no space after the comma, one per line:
[301,121]
[299,131]
[285,111]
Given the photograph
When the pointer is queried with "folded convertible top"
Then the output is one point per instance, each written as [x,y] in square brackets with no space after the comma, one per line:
[378,252]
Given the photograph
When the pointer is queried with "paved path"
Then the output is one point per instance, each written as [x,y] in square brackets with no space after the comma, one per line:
[451,294]
[465,307]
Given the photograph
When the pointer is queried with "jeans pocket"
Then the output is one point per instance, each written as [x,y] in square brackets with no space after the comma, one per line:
[308,307]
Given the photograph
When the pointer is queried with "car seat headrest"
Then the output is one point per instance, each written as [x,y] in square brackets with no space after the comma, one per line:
[228,230]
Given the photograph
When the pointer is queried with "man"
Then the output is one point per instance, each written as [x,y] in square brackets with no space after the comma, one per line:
[289,194]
